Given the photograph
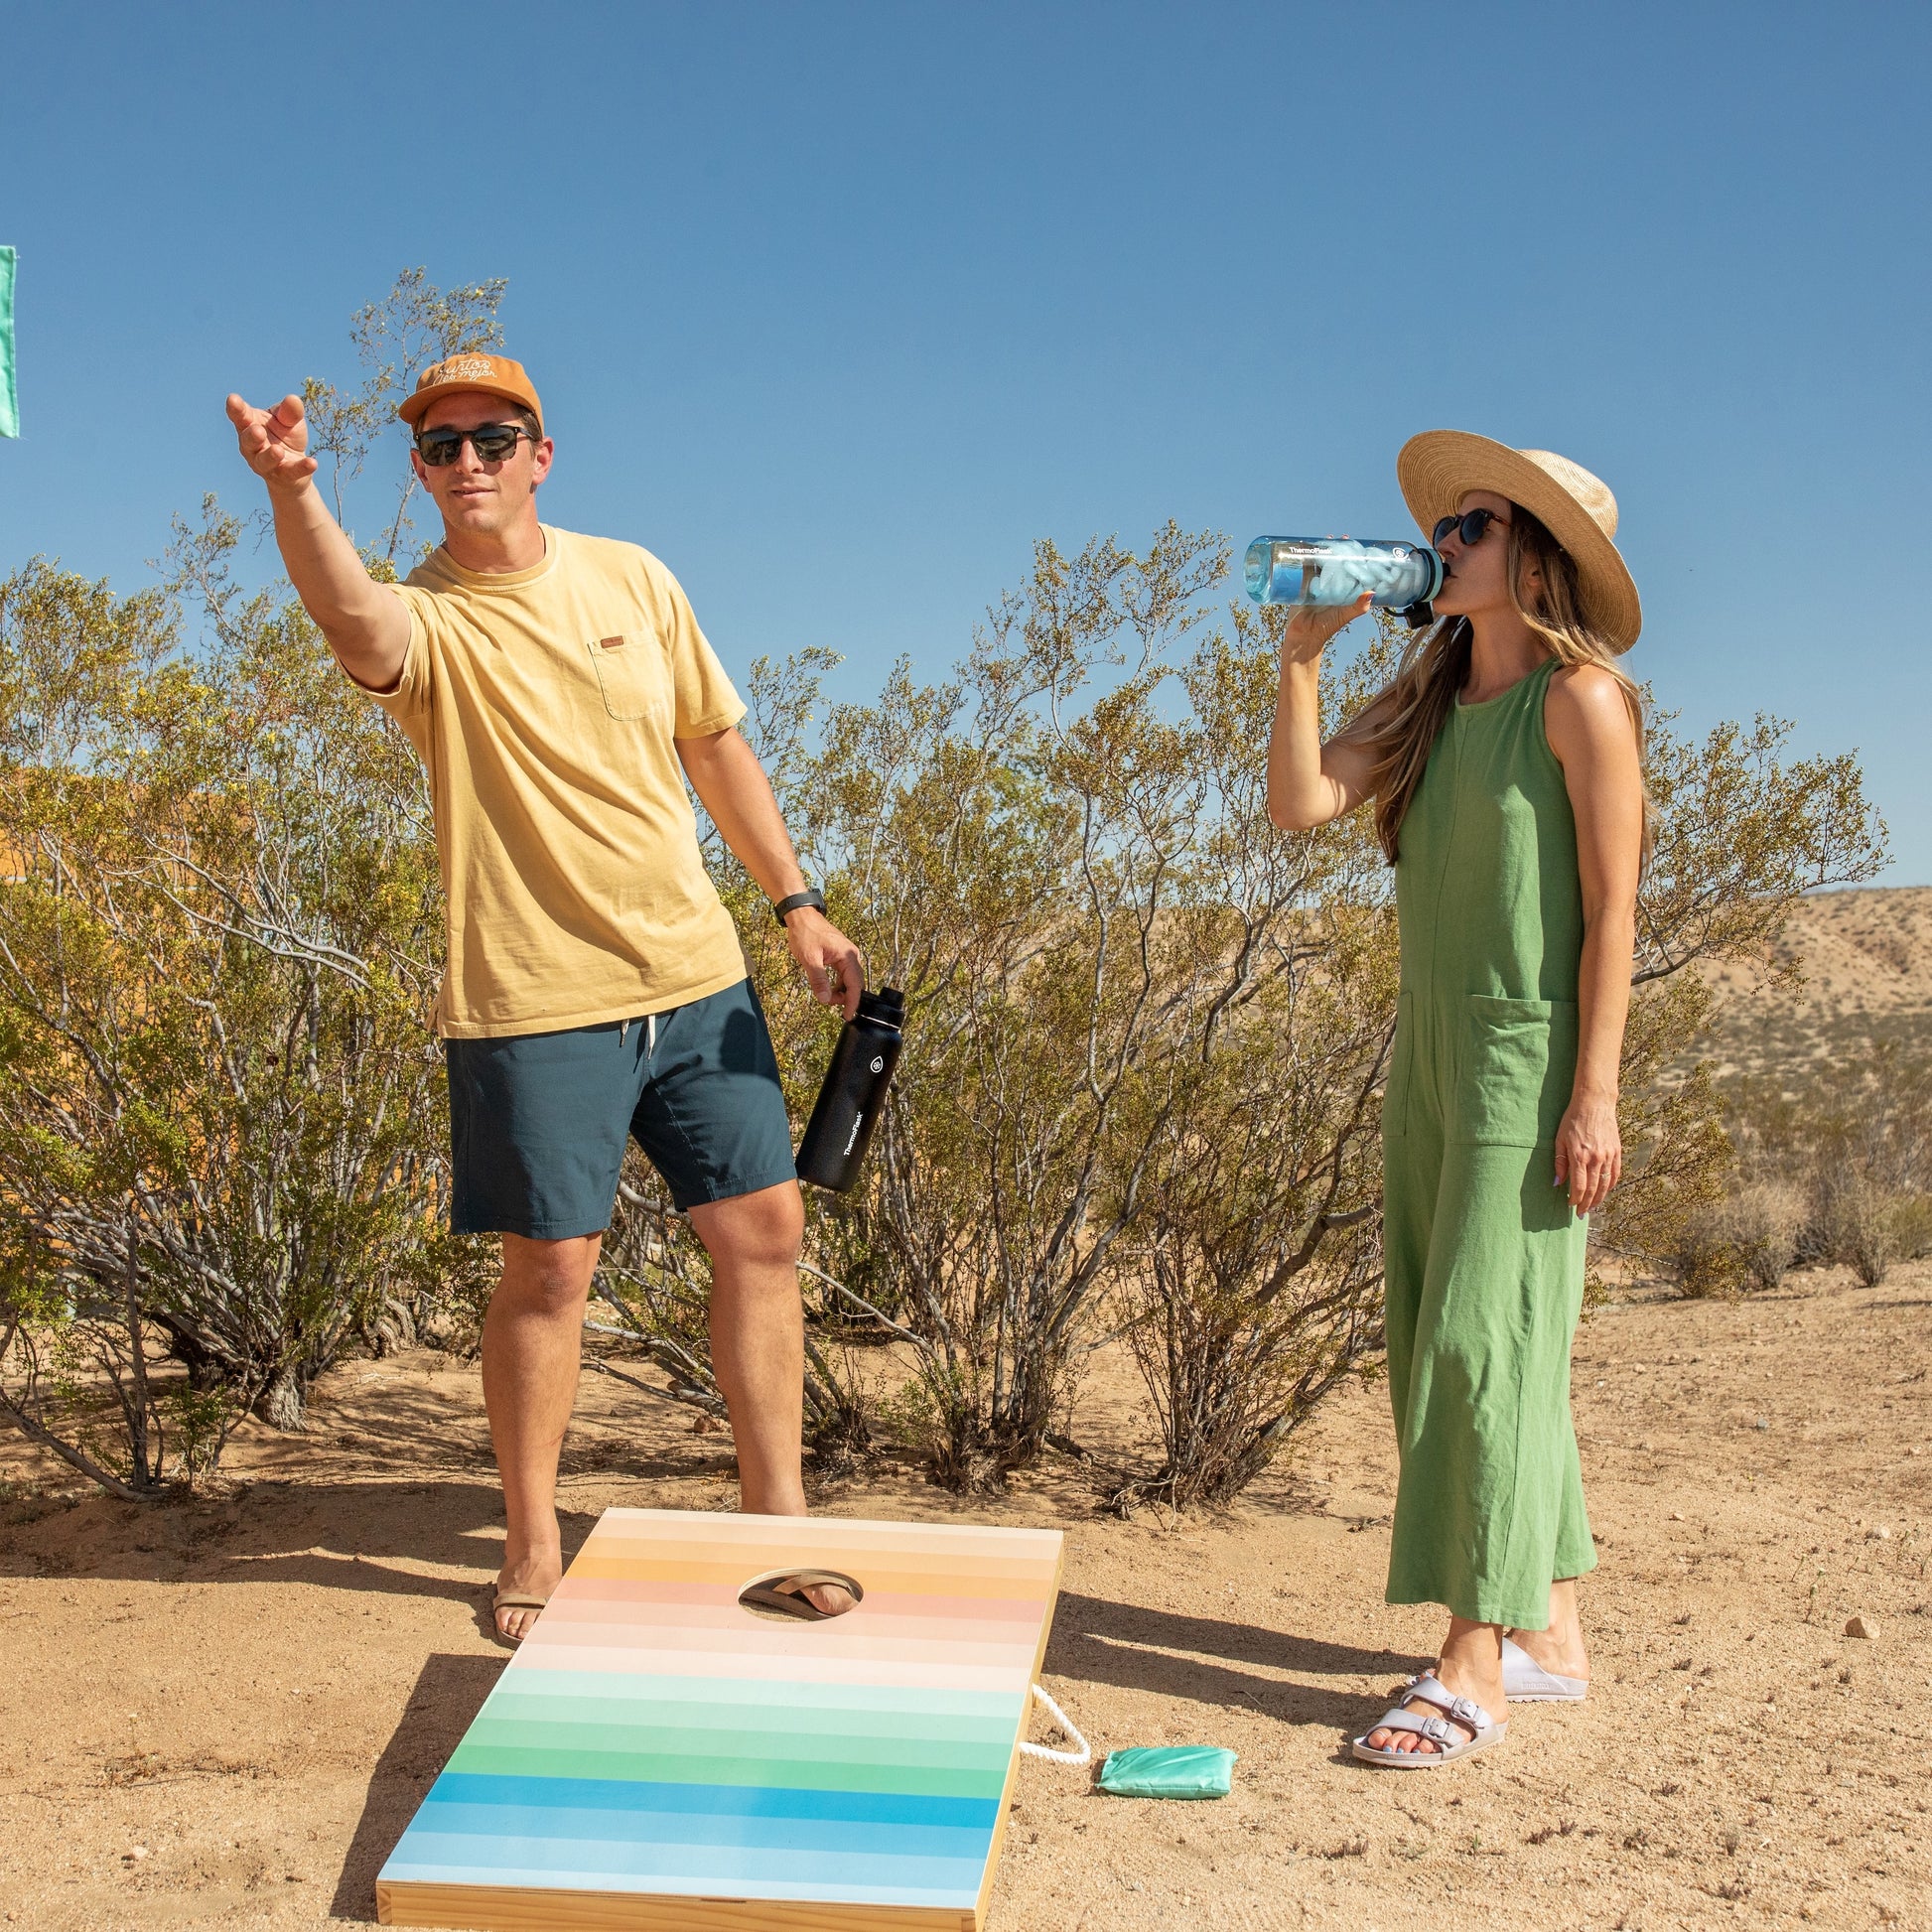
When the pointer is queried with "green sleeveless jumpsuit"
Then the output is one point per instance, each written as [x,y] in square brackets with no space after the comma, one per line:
[1484,1254]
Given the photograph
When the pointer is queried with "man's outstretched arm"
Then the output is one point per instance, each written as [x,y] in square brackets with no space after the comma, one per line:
[365,622]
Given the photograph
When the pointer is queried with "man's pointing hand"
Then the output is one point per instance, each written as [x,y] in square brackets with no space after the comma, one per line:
[274,442]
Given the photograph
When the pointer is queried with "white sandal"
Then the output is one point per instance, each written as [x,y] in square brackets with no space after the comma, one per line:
[1525,1681]
[1438,1726]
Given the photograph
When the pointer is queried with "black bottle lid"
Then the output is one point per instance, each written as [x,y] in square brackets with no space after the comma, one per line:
[887,1005]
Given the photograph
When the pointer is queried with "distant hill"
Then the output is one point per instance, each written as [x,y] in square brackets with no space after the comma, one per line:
[1865,961]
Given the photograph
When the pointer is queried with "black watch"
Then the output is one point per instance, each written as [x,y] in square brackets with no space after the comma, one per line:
[811,897]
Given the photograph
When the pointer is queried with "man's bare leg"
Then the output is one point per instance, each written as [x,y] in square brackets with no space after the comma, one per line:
[532,1342]
[532,1347]
[758,1348]
[758,1338]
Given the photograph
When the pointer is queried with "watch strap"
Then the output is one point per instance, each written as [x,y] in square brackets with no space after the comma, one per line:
[792,902]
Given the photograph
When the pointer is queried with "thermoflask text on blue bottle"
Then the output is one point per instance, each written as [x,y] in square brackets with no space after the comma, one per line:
[1337,570]
[854,1094]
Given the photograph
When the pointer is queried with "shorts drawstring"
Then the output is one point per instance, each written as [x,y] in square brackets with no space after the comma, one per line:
[650,1033]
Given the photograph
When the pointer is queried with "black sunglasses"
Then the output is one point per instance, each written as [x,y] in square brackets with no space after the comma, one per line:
[1473,525]
[492,442]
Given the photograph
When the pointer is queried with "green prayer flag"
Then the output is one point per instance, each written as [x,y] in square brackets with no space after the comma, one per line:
[8,394]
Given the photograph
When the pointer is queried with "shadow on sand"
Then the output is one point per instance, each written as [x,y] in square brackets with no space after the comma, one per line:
[358,1536]
[445,1699]
[1195,1657]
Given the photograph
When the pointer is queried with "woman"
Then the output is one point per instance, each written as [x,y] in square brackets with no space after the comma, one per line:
[1505,766]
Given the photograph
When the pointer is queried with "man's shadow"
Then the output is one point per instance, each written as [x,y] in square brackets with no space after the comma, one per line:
[448,1694]
[363,1537]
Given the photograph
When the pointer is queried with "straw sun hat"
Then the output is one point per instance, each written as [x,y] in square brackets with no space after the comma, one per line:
[1438,468]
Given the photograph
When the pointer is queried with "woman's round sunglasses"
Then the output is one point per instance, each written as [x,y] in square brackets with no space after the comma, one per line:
[492,442]
[1471,526]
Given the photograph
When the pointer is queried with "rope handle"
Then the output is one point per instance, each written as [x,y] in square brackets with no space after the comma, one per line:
[1084,1756]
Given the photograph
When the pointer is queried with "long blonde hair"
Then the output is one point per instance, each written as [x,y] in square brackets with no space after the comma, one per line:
[1435,667]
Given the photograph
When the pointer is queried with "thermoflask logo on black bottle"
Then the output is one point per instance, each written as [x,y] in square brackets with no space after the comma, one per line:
[855,1086]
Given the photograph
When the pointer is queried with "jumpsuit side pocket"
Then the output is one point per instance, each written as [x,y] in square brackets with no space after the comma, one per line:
[1395,1091]
[1517,1068]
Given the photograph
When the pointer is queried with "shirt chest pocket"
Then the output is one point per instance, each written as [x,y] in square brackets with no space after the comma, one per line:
[631,674]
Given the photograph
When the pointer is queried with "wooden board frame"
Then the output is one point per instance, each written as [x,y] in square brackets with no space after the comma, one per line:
[724,1772]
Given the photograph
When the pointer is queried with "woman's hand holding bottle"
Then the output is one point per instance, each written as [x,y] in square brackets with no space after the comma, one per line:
[1311,626]
[1310,784]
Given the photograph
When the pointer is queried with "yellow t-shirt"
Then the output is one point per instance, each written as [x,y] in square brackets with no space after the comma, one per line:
[544,703]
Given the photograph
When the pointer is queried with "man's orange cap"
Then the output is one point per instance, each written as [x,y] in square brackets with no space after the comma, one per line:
[494,375]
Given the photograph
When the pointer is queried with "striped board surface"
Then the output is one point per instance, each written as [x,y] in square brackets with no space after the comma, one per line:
[656,1756]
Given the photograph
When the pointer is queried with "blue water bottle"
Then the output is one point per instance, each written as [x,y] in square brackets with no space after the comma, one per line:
[1335,570]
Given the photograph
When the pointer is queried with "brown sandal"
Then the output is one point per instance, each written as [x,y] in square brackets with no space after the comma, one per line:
[511,1600]
[785,1595]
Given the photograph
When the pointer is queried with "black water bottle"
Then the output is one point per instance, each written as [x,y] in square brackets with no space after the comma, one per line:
[854,1094]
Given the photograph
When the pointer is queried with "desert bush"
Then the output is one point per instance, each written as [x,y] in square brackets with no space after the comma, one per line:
[215,957]
[1764,1220]
[1745,1241]
[1855,1141]
[1254,1286]
[1912,1226]
[1063,857]
[221,1119]
[1864,1224]
[1741,835]
[1707,1264]
[1856,1224]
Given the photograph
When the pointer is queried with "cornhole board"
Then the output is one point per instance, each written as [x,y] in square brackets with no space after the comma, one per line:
[656,1756]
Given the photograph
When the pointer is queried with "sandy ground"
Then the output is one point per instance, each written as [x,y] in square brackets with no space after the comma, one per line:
[221,1712]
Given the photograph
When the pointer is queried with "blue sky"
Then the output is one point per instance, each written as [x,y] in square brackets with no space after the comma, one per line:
[838,308]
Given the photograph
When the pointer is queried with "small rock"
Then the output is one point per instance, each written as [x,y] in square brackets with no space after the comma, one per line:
[1880,1535]
[1763,1422]
[138,1851]
[1677,1516]
[1858,1627]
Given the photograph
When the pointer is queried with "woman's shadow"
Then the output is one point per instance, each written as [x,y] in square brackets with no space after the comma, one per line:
[1141,1648]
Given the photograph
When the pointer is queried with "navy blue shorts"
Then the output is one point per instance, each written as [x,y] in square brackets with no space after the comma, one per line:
[538,1121]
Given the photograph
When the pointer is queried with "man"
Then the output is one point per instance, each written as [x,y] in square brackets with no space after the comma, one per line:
[560,692]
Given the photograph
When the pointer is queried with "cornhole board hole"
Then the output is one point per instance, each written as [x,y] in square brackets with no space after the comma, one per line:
[657,1756]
